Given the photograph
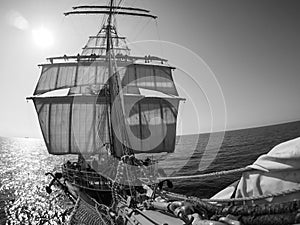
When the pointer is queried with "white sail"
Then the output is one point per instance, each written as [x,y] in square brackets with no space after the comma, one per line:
[77,74]
[149,76]
[73,125]
[69,123]
[73,74]
[152,123]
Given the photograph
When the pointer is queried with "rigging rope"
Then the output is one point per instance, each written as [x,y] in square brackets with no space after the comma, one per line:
[85,213]
[241,210]
[140,31]
[230,200]
[252,198]
[208,175]
[159,38]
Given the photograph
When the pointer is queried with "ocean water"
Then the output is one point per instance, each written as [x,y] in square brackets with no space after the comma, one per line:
[24,162]
[23,199]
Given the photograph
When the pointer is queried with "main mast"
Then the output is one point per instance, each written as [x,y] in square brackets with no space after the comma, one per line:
[95,88]
[108,31]
[114,84]
[108,54]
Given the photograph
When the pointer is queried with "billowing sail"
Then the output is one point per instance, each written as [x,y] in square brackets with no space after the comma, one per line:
[152,123]
[74,74]
[78,123]
[73,125]
[87,73]
[149,76]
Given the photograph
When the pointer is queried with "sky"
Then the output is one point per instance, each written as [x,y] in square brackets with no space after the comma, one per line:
[238,61]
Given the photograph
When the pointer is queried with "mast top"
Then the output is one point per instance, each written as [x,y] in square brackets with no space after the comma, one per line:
[110,10]
[109,30]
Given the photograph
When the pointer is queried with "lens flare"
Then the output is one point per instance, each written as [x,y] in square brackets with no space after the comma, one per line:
[42,37]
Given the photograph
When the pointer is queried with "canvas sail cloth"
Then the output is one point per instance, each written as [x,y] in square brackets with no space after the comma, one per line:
[277,171]
[97,44]
[77,123]
[95,73]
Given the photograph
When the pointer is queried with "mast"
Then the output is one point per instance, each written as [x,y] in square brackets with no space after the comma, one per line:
[114,92]
[108,31]
[103,87]
[108,54]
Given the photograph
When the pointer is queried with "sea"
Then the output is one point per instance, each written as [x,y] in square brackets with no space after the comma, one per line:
[24,162]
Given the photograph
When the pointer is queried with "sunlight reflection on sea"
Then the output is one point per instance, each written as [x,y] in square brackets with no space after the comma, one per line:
[23,199]
[24,162]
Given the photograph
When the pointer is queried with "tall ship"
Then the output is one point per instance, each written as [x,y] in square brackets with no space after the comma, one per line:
[114,110]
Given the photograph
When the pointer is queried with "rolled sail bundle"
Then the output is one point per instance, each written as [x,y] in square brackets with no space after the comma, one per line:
[275,172]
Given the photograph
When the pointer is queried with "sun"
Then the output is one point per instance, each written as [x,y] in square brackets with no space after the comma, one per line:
[42,37]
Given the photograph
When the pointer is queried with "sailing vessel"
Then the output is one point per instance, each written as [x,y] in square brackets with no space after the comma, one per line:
[106,106]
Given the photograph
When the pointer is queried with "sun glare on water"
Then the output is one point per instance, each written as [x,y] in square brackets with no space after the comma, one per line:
[42,37]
